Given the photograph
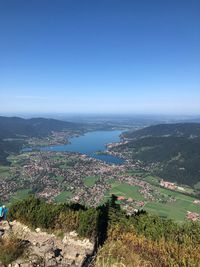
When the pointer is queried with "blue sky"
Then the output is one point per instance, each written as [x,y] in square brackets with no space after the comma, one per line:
[108,56]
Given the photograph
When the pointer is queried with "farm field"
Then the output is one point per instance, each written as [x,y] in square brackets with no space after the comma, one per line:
[63,196]
[176,210]
[20,194]
[124,189]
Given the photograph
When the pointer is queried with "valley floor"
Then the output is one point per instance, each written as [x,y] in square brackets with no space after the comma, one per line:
[64,176]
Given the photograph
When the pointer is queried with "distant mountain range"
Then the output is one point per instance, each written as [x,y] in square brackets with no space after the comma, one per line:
[11,127]
[177,129]
[172,151]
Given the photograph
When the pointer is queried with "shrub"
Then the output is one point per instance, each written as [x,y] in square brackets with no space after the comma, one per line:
[88,223]
[10,249]
[67,217]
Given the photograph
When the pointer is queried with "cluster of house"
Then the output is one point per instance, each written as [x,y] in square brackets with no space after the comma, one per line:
[116,144]
[168,185]
[193,216]
[49,193]
[42,169]
[56,138]
[131,200]
[196,201]
[7,189]
[130,205]
[148,192]
[91,195]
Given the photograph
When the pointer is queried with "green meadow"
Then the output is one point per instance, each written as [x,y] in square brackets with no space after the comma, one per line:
[123,189]
[90,180]
[20,194]
[176,210]
[63,196]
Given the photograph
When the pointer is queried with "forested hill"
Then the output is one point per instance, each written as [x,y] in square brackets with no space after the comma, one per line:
[11,127]
[188,130]
[171,150]
[14,131]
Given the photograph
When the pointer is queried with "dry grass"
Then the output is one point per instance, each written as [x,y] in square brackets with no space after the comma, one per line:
[114,254]
[11,248]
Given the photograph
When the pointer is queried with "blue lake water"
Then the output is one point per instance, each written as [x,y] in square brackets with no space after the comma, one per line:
[90,143]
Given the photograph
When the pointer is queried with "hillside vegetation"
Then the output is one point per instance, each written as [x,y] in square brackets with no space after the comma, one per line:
[63,217]
[121,240]
[177,129]
[13,127]
[171,150]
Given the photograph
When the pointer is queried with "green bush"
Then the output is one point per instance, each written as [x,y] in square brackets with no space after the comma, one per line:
[88,223]
[67,217]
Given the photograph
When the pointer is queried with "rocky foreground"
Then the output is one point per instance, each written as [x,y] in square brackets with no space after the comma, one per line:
[44,249]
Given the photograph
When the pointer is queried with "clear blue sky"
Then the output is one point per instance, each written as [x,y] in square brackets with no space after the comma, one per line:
[112,56]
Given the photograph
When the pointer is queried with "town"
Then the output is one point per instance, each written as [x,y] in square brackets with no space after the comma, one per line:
[65,176]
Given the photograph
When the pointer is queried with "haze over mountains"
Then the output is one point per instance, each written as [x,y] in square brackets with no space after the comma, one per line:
[189,129]
[16,127]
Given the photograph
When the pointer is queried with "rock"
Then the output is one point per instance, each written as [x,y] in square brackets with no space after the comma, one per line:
[45,249]
[65,240]
[25,264]
[47,246]
[51,263]
[59,258]
[2,232]
[73,234]
[5,228]
[35,260]
[38,230]
[50,255]
[5,225]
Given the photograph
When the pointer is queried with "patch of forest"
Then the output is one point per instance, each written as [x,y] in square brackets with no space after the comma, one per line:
[172,150]
[173,129]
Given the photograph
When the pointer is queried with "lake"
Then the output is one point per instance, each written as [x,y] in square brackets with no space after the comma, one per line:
[89,144]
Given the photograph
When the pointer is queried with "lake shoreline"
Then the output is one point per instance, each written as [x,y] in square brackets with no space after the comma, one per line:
[93,144]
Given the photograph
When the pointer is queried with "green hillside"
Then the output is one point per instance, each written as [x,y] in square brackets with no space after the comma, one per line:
[172,151]
[173,129]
